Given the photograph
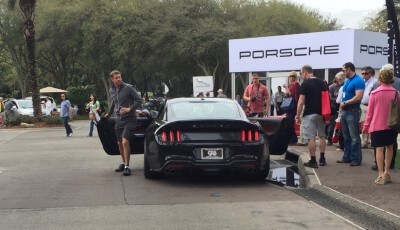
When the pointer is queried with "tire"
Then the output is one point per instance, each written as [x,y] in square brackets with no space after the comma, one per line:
[148,174]
[260,176]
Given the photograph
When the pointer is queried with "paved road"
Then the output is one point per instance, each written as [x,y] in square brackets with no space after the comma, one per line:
[48,181]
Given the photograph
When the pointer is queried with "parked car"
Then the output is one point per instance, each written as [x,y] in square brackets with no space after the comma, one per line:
[74,109]
[22,106]
[43,100]
[211,135]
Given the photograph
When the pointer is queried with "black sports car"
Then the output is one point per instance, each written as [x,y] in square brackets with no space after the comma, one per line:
[207,134]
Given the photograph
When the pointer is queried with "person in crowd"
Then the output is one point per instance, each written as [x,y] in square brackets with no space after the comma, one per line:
[2,109]
[125,101]
[239,100]
[48,106]
[301,140]
[313,124]
[201,94]
[208,94]
[93,106]
[293,90]
[353,91]
[340,77]
[396,85]
[333,93]
[220,94]
[65,114]
[279,95]
[246,110]
[8,109]
[368,73]
[376,124]
[272,102]
[257,96]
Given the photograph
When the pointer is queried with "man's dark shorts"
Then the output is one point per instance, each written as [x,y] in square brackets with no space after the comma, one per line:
[124,128]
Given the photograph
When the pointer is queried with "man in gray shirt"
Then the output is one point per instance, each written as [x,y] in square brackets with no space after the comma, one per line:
[125,101]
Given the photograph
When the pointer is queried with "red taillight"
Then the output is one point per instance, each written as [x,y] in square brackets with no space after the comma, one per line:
[164,136]
[249,135]
[171,136]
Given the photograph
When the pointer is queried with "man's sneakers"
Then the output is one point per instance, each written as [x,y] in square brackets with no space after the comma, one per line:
[322,161]
[311,164]
[127,172]
[120,168]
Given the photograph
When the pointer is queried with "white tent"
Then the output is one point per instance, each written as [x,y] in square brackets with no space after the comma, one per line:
[52,90]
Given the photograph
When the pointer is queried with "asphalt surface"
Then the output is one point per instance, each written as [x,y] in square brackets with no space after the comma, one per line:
[351,191]
[48,181]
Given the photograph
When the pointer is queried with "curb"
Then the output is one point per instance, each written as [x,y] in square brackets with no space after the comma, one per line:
[346,206]
[308,175]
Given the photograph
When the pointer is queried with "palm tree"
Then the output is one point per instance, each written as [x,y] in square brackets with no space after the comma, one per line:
[27,8]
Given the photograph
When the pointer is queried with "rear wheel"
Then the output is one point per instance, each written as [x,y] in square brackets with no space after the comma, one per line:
[148,174]
[260,176]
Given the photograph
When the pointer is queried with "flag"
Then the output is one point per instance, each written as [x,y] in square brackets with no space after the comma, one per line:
[393,37]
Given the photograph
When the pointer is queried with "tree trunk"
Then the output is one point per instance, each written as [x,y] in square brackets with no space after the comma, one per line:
[27,8]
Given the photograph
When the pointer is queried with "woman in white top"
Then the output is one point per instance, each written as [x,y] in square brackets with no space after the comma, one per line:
[48,106]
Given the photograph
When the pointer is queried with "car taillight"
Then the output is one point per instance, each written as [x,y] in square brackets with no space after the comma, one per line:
[171,136]
[249,135]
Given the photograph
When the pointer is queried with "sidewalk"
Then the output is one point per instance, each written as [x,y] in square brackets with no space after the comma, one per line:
[356,182]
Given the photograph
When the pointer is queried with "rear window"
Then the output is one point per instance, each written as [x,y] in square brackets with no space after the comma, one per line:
[203,110]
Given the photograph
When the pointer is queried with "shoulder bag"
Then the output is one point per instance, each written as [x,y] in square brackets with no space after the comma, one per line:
[287,103]
[394,116]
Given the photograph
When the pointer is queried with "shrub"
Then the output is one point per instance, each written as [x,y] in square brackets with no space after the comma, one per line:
[26,119]
[52,120]
[13,121]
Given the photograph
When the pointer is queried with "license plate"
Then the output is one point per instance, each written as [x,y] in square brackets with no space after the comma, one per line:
[212,154]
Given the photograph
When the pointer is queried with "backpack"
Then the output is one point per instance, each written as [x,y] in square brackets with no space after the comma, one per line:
[102,109]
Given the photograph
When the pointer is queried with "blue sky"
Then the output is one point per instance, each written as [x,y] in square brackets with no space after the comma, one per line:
[350,13]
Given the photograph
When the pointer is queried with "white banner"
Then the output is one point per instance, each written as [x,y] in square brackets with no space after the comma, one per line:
[203,84]
[322,50]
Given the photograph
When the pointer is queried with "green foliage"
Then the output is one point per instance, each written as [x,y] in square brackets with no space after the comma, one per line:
[79,95]
[52,120]
[13,121]
[378,22]
[151,42]
[27,119]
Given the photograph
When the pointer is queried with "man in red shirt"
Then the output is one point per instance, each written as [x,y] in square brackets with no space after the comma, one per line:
[257,96]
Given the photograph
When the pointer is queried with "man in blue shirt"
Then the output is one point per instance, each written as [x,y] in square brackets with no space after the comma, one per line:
[353,91]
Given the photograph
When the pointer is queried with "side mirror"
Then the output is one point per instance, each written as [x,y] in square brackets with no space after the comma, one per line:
[14,108]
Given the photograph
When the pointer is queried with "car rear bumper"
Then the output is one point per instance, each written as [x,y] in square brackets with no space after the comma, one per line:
[250,164]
